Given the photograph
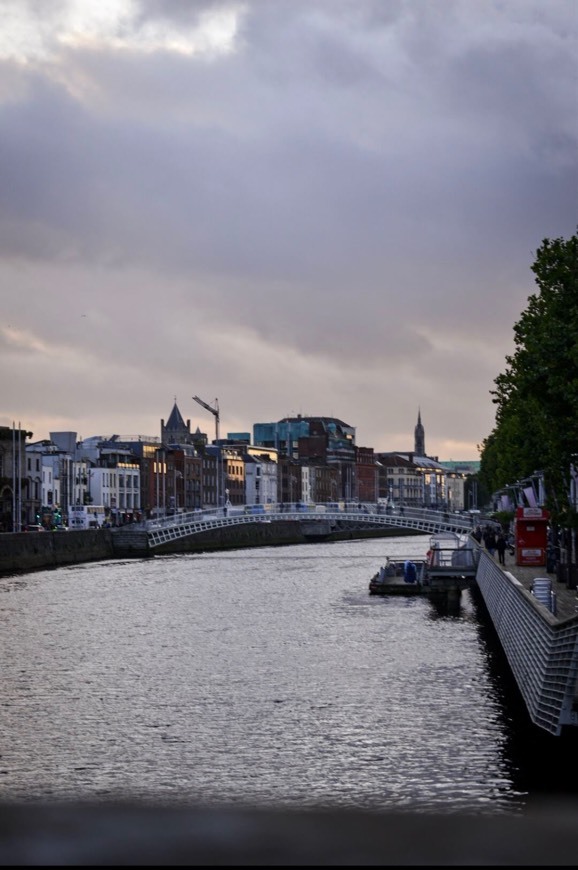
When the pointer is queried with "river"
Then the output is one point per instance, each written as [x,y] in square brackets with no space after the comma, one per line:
[266,677]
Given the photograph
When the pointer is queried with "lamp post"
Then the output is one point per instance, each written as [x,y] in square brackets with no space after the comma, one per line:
[160,482]
[293,489]
[334,490]
[89,474]
[178,475]
[157,484]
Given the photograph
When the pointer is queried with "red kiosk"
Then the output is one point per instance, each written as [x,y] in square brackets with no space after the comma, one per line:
[531,534]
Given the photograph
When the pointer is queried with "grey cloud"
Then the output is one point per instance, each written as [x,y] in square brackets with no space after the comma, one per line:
[359,187]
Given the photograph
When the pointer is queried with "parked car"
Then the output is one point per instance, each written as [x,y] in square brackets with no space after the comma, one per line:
[34,528]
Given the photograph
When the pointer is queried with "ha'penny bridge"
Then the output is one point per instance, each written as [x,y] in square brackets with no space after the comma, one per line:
[315,520]
[451,567]
[298,522]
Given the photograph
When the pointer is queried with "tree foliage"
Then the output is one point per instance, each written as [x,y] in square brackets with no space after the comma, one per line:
[537,395]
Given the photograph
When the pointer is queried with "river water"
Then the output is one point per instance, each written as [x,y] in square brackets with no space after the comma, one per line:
[264,677]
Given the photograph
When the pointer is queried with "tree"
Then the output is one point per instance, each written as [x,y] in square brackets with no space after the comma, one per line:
[537,395]
[476,493]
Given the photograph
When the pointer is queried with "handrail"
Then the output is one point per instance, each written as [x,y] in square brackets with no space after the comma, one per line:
[416,519]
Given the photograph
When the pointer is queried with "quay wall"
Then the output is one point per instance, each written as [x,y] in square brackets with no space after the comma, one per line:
[541,649]
[264,535]
[30,551]
[233,537]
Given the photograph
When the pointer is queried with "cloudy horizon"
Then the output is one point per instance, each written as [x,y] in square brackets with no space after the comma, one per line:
[327,208]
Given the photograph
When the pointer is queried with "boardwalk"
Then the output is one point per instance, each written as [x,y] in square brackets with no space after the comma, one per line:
[566,599]
[540,641]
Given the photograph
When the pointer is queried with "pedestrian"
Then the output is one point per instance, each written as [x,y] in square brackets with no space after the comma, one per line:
[501,548]
[490,540]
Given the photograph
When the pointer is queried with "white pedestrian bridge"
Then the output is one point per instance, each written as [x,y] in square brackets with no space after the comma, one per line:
[331,518]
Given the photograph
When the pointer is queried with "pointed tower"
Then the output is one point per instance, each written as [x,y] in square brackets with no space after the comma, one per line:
[419,437]
[176,430]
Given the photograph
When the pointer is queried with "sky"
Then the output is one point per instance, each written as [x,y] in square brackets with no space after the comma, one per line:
[317,207]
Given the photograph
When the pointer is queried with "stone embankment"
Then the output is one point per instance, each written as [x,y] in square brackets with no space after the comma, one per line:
[132,541]
[30,551]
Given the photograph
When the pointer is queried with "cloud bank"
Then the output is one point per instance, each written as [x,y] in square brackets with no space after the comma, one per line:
[327,208]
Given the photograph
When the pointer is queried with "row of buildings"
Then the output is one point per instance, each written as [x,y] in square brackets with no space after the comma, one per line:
[62,480]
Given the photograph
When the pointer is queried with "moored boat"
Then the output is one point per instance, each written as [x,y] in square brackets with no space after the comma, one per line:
[400,577]
[449,566]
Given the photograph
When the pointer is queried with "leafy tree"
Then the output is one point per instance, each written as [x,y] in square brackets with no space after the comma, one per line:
[476,494]
[537,395]
[504,518]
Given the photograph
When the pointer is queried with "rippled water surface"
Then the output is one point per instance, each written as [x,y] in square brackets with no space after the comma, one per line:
[263,677]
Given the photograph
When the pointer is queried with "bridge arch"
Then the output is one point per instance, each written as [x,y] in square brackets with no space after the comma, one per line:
[417,520]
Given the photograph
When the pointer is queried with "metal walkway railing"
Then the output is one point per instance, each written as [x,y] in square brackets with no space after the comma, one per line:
[542,651]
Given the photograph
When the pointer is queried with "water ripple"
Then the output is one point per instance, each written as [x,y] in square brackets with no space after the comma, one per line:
[267,677]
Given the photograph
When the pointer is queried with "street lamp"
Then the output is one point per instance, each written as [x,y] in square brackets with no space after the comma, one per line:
[160,482]
[293,488]
[178,475]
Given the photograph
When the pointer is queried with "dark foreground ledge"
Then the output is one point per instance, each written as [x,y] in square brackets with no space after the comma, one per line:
[146,835]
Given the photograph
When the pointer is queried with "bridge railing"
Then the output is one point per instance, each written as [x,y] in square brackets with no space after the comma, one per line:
[351,509]
[419,520]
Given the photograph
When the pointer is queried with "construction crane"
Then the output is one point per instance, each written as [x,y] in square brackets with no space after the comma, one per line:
[213,410]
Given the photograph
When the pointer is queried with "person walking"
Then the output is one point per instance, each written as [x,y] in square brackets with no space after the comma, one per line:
[501,548]
[490,540]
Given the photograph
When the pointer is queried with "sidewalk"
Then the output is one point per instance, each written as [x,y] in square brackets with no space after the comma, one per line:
[566,599]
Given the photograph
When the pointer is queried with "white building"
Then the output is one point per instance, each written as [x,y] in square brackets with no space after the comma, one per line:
[114,477]
[260,479]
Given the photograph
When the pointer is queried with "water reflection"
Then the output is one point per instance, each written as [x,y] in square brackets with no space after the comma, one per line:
[269,677]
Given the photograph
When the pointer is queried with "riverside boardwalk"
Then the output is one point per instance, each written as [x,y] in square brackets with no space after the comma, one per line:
[539,636]
[566,599]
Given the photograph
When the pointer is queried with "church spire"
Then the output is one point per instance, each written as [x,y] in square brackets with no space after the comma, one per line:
[419,437]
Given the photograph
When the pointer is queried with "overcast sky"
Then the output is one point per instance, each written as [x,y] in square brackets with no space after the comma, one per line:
[325,207]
